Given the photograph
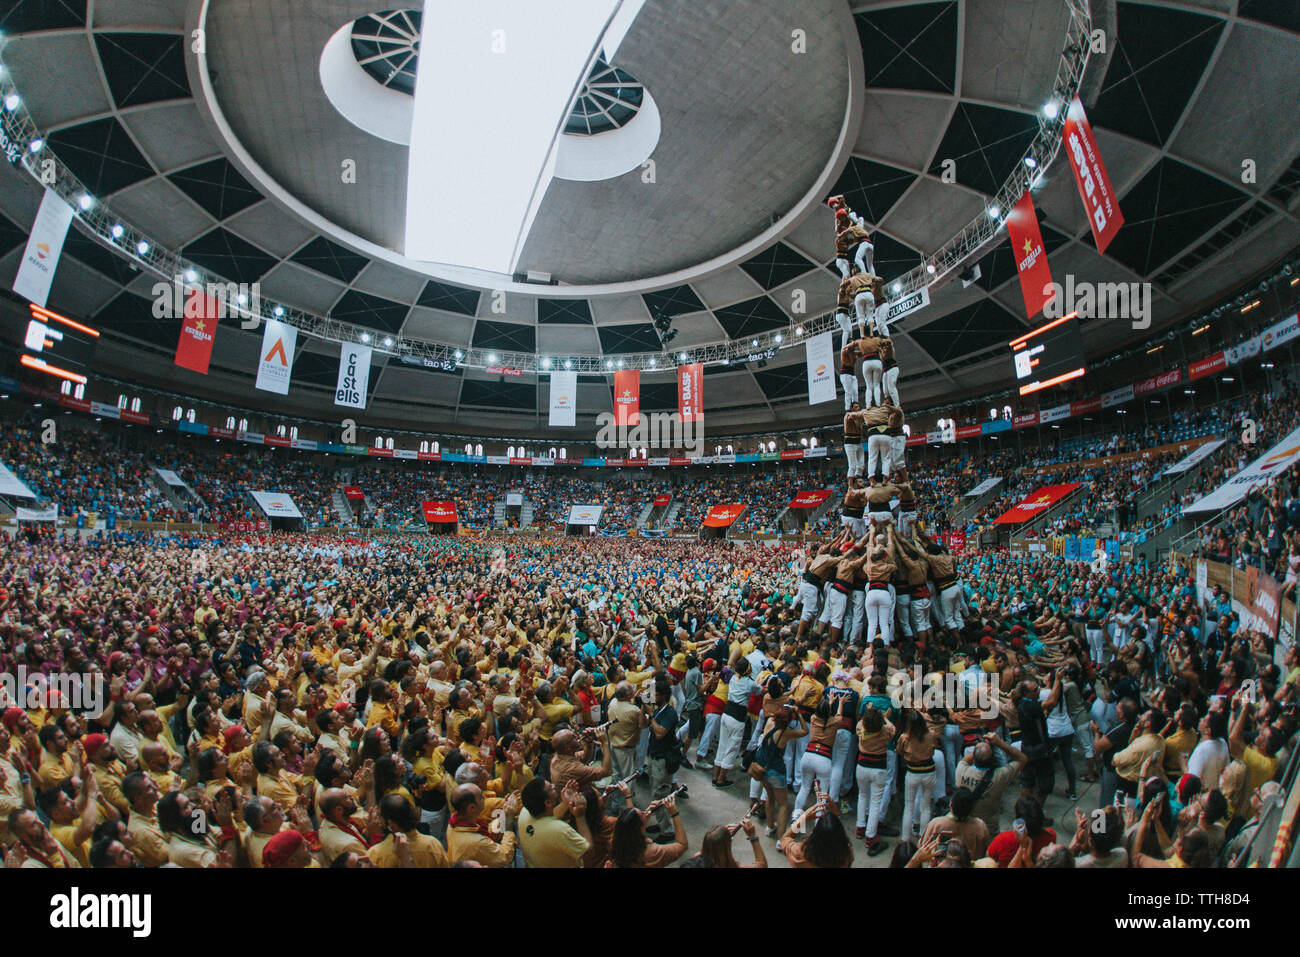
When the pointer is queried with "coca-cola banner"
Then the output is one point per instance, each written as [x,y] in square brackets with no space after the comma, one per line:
[1158,382]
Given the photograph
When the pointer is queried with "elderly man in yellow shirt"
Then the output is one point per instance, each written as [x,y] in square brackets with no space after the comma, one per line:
[157,762]
[1145,745]
[1261,757]
[469,839]
[405,846]
[342,829]
[141,791]
[36,846]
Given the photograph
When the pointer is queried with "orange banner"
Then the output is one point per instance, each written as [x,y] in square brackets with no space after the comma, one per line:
[722,516]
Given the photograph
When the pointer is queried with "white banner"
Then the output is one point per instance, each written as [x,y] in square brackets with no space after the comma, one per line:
[1053,414]
[564,398]
[515,499]
[986,486]
[1198,454]
[50,514]
[1280,333]
[585,514]
[817,453]
[12,485]
[276,504]
[1273,462]
[725,459]
[1243,350]
[107,411]
[170,477]
[275,362]
[44,247]
[907,305]
[821,369]
[354,376]
[1118,397]
[498,460]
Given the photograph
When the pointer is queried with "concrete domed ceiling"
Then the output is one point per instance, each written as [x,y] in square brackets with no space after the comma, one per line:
[1185,93]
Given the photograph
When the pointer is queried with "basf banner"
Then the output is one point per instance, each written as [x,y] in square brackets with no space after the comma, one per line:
[276,504]
[690,392]
[722,516]
[439,513]
[585,514]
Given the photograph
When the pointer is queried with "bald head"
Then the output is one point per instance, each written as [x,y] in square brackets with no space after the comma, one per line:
[467,800]
[564,742]
[154,756]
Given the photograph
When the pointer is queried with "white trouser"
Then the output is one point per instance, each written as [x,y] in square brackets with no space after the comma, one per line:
[850,383]
[918,795]
[810,599]
[903,613]
[949,607]
[889,383]
[812,766]
[855,616]
[853,451]
[825,616]
[882,519]
[1083,735]
[897,450]
[846,327]
[711,724]
[1096,644]
[920,614]
[836,604]
[793,760]
[905,520]
[871,790]
[880,615]
[879,454]
[872,370]
[865,305]
[856,526]
[641,747]
[733,734]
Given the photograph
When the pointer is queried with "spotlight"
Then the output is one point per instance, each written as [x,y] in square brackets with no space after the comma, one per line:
[609,363]
[994,212]
[36,144]
[142,247]
[1051,110]
[1031,162]
[930,269]
[620,363]
[682,357]
[798,330]
[898,287]
[12,101]
[191,276]
[278,311]
[652,363]
[778,338]
[492,357]
[546,363]
[117,231]
[459,355]
[388,342]
[568,364]
[753,343]
[241,299]
[85,201]
[365,338]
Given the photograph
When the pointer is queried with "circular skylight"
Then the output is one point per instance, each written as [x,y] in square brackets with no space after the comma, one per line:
[387,46]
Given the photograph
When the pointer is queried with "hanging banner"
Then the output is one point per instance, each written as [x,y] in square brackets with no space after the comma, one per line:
[627,397]
[809,499]
[440,513]
[690,392]
[198,333]
[1197,455]
[1246,349]
[275,365]
[722,516]
[44,249]
[1273,462]
[514,499]
[12,486]
[907,305]
[1031,256]
[354,376]
[353,492]
[1208,366]
[1035,504]
[1280,333]
[1117,397]
[985,486]
[662,500]
[276,504]
[564,399]
[585,514]
[50,514]
[1099,200]
[170,477]
[821,369]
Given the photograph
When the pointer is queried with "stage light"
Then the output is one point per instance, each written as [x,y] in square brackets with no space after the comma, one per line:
[365,338]
[930,269]
[568,363]
[1051,109]
[36,144]
[652,363]
[388,342]
[191,276]
[609,363]
[753,343]
[778,338]
[117,231]
[682,357]
[241,299]
[492,357]
[142,247]
[994,212]
[1031,162]
[798,330]
[459,355]
[546,363]
[898,287]
[85,201]
[278,311]
[12,101]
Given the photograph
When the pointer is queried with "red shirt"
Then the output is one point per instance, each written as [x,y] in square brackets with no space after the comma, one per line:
[1003,847]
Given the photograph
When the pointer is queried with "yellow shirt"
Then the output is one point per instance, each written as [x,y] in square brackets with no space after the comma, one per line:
[466,843]
[1261,767]
[555,712]
[55,769]
[550,842]
[382,714]
[64,834]
[279,788]
[150,844]
[425,851]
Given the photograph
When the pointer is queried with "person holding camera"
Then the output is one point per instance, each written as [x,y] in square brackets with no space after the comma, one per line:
[663,754]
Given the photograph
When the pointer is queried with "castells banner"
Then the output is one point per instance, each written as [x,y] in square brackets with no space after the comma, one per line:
[439,513]
[722,516]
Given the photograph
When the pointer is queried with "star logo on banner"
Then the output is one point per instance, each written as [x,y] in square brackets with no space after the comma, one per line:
[200,326]
[1028,247]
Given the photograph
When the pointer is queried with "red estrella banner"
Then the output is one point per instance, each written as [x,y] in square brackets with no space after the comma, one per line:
[1035,504]
[627,396]
[1208,366]
[662,500]
[277,441]
[353,491]
[792,454]
[1030,255]
[198,333]
[679,461]
[429,456]
[1099,200]
[690,392]
[809,499]
[1084,406]
[518,461]
[915,440]
[969,432]
[439,513]
[721,516]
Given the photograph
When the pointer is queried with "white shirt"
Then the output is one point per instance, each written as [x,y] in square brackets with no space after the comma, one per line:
[126,742]
[1207,761]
